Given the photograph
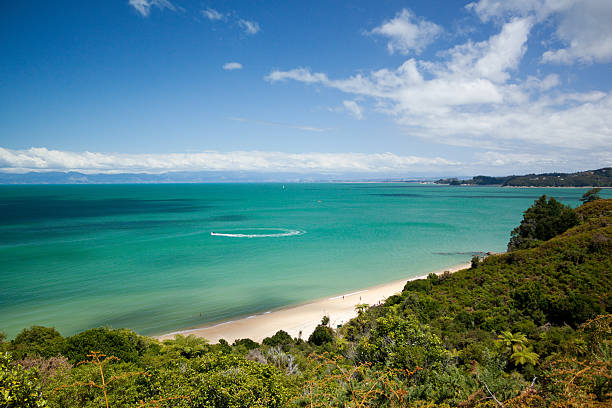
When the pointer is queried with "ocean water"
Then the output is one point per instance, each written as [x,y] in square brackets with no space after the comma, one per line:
[159,258]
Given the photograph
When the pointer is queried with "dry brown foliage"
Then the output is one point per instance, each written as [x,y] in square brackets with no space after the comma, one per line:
[579,378]
[336,384]
[48,368]
[157,402]
[100,360]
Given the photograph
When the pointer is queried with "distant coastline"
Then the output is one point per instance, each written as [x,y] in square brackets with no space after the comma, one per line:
[584,179]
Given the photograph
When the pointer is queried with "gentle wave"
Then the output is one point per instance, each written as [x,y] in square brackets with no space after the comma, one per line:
[348,294]
[285,233]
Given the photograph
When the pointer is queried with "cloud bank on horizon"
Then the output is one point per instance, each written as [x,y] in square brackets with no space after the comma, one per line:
[42,159]
[498,89]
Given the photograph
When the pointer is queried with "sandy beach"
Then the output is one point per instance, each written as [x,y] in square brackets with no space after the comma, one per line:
[301,319]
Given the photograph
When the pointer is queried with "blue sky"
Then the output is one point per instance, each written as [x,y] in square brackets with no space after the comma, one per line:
[380,87]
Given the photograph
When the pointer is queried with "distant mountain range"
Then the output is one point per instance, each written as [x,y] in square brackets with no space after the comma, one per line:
[73,177]
[595,178]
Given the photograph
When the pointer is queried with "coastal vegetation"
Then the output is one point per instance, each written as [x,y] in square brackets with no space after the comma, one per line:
[596,178]
[528,328]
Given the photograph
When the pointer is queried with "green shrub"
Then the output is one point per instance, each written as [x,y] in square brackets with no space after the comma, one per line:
[18,387]
[121,343]
[321,335]
[280,338]
[541,222]
[37,341]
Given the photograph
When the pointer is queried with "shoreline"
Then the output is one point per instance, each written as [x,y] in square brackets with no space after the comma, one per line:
[301,320]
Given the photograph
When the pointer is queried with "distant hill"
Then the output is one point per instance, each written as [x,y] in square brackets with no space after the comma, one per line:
[596,178]
[73,177]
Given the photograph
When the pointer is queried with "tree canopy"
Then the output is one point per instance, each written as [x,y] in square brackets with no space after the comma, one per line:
[542,221]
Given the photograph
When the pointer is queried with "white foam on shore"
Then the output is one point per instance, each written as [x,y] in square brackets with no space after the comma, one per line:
[199,328]
[348,294]
[286,233]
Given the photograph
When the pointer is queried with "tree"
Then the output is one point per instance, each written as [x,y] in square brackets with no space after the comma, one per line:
[516,345]
[37,340]
[524,356]
[321,335]
[542,221]
[591,195]
[280,338]
[122,343]
[401,342]
[509,342]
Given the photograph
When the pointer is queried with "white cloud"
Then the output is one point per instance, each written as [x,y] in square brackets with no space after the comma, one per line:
[544,84]
[501,10]
[353,108]
[470,98]
[582,26]
[249,27]
[468,77]
[144,6]
[213,14]
[230,66]
[407,33]
[515,160]
[586,28]
[298,74]
[42,159]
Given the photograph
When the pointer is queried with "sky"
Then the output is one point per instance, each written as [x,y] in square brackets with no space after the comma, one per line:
[386,87]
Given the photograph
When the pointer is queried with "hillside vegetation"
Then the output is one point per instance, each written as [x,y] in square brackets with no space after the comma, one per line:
[529,328]
[595,178]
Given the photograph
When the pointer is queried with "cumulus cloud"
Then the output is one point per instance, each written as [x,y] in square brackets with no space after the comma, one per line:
[212,14]
[42,159]
[470,97]
[407,33]
[582,26]
[249,27]
[353,108]
[586,28]
[468,77]
[144,6]
[230,66]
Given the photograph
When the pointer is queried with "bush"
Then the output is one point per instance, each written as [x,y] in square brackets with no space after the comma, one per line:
[37,341]
[574,309]
[122,343]
[280,338]
[248,344]
[321,335]
[591,195]
[18,387]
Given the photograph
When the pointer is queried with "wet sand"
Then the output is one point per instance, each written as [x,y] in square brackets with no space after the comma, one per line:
[301,320]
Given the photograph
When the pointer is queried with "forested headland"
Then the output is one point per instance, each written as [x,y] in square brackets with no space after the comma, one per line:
[528,328]
[590,178]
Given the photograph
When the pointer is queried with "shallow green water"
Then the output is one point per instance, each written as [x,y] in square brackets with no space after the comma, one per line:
[143,257]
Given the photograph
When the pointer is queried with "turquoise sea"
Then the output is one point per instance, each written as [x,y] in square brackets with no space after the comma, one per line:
[143,256]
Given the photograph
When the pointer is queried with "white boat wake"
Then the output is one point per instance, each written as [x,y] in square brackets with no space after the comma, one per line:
[282,233]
